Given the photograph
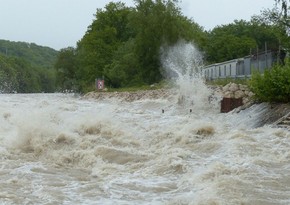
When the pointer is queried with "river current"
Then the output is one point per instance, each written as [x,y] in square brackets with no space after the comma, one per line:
[62,149]
[163,150]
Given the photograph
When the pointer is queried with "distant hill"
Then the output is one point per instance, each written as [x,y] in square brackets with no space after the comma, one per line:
[26,67]
[38,56]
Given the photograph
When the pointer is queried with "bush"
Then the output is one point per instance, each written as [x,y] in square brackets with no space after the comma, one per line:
[273,85]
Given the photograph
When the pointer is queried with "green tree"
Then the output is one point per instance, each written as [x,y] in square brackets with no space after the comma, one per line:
[284,8]
[123,71]
[96,49]
[37,56]
[8,77]
[123,44]
[47,79]
[238,39]
[17,75]
[273,84]
[159,23]
[27,67]
[27,76]
[278,19]
[66,67]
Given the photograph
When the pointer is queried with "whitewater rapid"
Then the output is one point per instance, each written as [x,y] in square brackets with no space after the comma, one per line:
[63,149]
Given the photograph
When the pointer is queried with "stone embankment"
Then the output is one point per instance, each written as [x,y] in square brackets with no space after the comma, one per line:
[274,114]
[132,96]
[233,90]
[277,115]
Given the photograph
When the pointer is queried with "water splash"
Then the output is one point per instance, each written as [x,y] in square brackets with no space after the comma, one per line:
[182,63]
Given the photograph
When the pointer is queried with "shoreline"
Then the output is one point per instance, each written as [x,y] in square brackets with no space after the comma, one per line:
[271,113]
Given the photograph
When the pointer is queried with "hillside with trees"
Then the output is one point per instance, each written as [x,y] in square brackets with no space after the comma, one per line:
[36,55]
[26,68]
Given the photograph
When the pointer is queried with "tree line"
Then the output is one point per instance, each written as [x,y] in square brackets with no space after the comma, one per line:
[122,45]
[26,68]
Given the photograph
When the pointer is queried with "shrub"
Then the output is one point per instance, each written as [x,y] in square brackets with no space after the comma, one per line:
[273,85]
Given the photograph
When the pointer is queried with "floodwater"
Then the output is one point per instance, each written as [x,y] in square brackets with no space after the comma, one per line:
[62,149]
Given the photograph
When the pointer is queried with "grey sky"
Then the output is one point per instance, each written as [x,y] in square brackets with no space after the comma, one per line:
[61,23]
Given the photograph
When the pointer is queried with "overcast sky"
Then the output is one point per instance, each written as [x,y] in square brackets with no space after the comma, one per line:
[61,23]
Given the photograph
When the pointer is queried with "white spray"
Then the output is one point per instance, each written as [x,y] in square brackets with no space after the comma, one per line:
[182,63]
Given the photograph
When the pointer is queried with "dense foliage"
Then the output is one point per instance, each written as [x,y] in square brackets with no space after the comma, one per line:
[105,37]
[273,85]
[26,68]
[66,69]
[36,55]
[122,45]
[243,38]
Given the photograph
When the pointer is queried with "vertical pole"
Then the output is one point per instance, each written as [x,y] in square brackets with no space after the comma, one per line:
[258,59]
[266,57]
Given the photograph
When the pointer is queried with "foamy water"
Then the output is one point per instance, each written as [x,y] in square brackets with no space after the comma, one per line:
[59,149]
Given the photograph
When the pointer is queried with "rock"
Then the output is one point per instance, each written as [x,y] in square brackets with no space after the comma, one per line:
[251,94]
[233,87]
[226,88]
[243,87]
[233,90]
[228,94]
[239,94]
[245,100]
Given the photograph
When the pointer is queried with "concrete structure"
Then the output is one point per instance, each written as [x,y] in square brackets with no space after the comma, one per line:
[239,68]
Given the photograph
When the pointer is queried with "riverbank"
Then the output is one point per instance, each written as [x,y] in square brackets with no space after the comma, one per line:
[271,112]
[133,96]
